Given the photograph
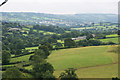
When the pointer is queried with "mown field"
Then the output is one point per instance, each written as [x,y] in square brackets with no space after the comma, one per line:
[105,71]
[111,38]
[22,58]
[114,40]
[112,35]
[89,61]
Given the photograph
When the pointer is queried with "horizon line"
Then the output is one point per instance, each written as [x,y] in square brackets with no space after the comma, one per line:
[52,13]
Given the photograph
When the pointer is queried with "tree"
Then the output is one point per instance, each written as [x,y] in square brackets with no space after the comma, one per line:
[50,47]
[52,40]
[69,74]
[18,51]
[89,36]
[41,68]
[5,57]
[118,32]
[69,43]
[41,53]
[12,73]
[58,45]
[46,47]
[54,36]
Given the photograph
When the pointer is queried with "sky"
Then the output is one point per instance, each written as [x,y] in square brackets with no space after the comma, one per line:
[61,6]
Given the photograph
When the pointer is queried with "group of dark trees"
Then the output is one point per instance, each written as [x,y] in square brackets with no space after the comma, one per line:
[49,28]
[41,68]
[69,43]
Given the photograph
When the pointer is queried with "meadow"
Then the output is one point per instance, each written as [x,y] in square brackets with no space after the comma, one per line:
[114,40]
[88,61]
[105,71]
[22,58]
[111,38]
[112,35]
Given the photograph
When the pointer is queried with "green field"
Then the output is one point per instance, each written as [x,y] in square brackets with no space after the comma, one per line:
[48,33]
[67,31]
[96,27]
[26,29]
[31,48]
[29,26]
[115,40]
[113,35]
[83,57]
[106,71]
[40,31]
[60,41]
[22,58]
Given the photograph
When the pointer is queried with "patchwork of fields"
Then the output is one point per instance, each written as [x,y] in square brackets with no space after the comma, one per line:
[90,62]
[96,26]
[111,38]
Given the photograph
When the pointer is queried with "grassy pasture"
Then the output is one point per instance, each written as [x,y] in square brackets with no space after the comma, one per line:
[60,41]
[31,49]
[96,56]
[82,28]
[29,26]
[22,58]
[27,29]
[79,57]
[47,33]
[67,31]
[113,35]
[115,40]
[35,30]
[40,31]
[105,71]
[96,27]
[25,34]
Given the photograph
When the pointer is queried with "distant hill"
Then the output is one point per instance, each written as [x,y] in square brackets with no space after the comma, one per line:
[59,20]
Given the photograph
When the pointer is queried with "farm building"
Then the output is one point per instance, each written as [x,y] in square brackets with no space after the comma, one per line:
[93,35]
[79,38]
[13,29]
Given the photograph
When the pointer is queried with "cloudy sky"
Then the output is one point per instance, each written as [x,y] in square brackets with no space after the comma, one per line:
[61,6]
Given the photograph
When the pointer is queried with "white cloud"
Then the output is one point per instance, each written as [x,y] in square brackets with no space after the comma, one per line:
[62,6]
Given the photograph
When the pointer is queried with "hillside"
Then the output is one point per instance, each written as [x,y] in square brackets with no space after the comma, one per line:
[23,44]
[59,20]
[89,61]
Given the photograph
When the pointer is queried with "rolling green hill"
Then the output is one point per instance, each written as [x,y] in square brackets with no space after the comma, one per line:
[59,20]
[86,60]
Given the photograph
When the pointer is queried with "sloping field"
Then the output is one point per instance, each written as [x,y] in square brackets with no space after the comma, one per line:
[90,61]
[115,40]
[22,58]
[103,71]
[112,35]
